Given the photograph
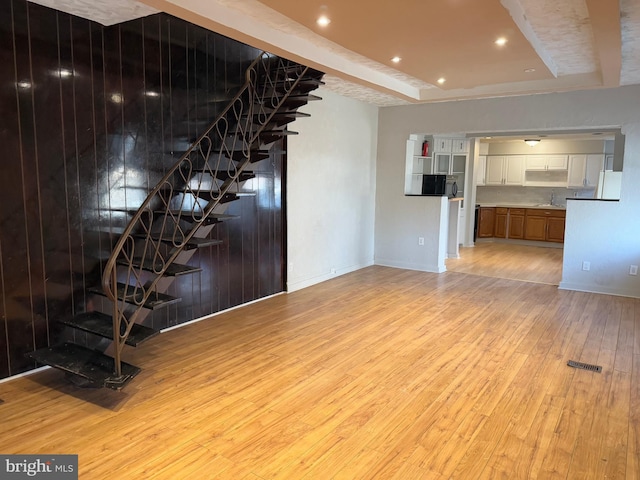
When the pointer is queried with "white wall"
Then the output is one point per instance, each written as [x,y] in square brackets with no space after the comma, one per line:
[547,146]
[607,234]
[331,190]
[418,220]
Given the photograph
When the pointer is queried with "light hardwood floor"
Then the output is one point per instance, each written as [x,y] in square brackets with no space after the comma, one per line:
[509,260]
[379,374]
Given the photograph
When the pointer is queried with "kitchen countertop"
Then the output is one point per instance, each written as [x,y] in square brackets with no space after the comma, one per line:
[524,205]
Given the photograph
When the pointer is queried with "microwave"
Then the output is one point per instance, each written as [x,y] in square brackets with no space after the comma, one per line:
[439,185]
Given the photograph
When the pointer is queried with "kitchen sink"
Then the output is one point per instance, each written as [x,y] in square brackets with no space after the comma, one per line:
[548,205]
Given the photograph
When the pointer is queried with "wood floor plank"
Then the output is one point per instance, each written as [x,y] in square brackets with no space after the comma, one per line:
[511,261]
[633,439]
[380,373]
[613,451]
[624,350]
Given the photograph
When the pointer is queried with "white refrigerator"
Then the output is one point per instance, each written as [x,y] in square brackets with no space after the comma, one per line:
[609,185]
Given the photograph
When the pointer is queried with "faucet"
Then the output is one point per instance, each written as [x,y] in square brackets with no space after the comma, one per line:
[553,198]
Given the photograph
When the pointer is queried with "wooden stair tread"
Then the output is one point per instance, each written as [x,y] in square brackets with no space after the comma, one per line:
[303,96]
[189,216]
[304,80]
[236,156]
[224,175]
[193,243]
[278,132]
[208,195]
[173,270]
[295,114]
[156,300]
[90,365]
[101,324]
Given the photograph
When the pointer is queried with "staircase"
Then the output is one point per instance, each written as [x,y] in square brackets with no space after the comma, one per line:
[177,216]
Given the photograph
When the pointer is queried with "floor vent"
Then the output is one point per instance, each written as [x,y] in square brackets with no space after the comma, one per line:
[585,366]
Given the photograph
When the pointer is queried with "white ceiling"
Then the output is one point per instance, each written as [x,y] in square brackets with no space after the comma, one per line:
[571,44]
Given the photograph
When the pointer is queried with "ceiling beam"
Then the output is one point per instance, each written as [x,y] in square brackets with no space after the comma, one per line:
[605,23]
[519,17]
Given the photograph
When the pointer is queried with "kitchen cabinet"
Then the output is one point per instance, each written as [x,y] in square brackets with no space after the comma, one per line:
[442,144]
[450,158]
[516,223]
[504,170]
[450,164]
[547,162]
[584,170]
[544,225]
[494,171]
[459,145]
[486,222]
[450,145]
[535,227]
[555,229]
[481,169]
[462,226]
[557,162]
[417,164]
[500,222]
[445,155]
[539,224]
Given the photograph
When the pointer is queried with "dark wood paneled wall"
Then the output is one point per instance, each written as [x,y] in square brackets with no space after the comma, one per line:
[90,118]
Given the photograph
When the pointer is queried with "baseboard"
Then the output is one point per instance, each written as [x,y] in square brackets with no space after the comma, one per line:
[527,243]
[24,374]
[598,289]
[196,320]
[410,266]
[299,284]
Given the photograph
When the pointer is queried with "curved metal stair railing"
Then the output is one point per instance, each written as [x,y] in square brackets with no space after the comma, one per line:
[222,151]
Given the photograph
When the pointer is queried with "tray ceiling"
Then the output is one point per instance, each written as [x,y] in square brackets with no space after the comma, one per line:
[551,46]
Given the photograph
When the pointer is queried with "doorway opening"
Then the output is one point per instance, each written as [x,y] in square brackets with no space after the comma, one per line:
[518,178]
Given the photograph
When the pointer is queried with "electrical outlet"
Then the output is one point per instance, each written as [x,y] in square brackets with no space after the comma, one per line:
[633,270]
[586,266]
[333,271]
[420,240]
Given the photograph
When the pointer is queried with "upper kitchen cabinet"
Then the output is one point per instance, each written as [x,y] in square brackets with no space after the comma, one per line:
[450,158]
[584,170]
[547,162]
[450,163]
[450,145]
[481,170]
[441,144]
[504,170]
[418,162]
[459,145]
[426,154]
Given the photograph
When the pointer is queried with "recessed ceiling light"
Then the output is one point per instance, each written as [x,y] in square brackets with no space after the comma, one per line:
[502,41]
[396,59]
[323,21]
[441,80]
[529,70]
[151,93]
[24,84]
